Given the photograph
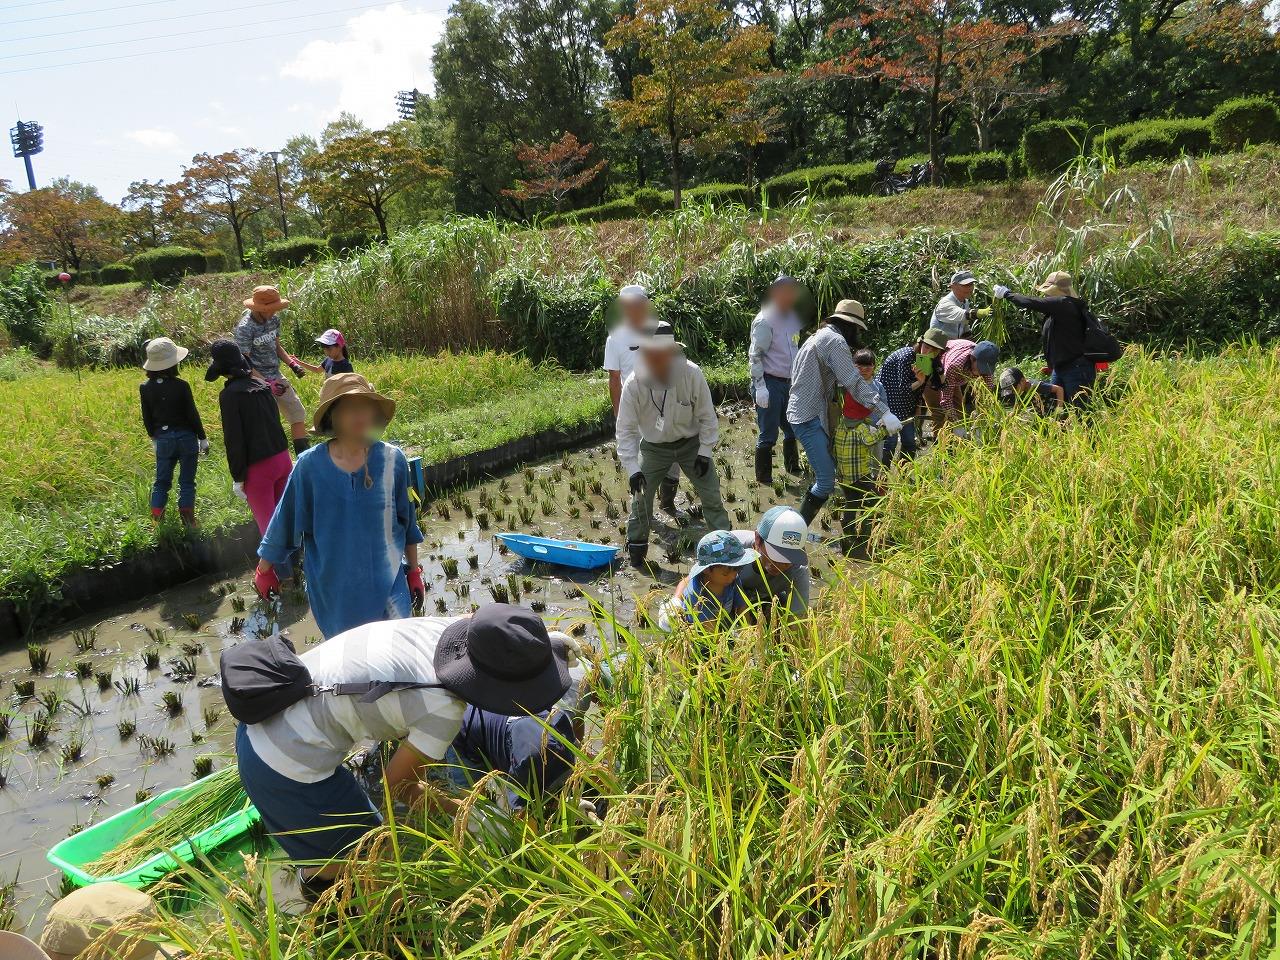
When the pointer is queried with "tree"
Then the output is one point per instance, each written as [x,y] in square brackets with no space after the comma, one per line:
[944,49]
[230,187]
[704,68]
[366,170]
[66,222]
[556,170]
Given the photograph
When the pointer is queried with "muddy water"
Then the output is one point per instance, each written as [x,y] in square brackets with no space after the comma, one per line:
[48,792]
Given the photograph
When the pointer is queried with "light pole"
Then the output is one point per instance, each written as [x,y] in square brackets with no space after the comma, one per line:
[28,140]
[284,220]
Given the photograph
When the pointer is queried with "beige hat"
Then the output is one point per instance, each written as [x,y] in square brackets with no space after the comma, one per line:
[83,916]
[163,353]
[850,311]
[14,946]
[266,300]
[1058,282]
[349,385]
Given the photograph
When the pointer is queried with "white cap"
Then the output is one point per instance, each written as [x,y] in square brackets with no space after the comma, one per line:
[633,291]
[784,534]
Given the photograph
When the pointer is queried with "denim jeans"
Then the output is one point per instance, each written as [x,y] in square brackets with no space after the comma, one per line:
[817,447]
[906,440]
[181,450]
[769,419]
[1073,377]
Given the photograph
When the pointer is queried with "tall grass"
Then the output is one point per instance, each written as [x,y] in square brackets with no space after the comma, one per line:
[1040,726]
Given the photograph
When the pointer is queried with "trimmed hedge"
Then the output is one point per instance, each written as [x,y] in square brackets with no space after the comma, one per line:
[1165,140]
[989,167]
[1245,120]
[348,242]
[1050,145]
[168,264]
[831,180]
[722,193]
[116,273]
[294,252]
[215,261]
[623,208]
[649,200]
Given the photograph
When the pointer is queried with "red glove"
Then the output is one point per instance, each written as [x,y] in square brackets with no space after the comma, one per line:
[417,589]
[266,582]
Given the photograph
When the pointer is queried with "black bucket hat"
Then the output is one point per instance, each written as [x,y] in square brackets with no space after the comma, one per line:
[227,360]
[502,659]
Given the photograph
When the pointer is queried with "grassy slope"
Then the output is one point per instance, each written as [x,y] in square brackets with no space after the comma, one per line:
[1042,727]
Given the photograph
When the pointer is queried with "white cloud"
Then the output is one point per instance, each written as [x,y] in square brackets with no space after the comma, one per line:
[155,139]
[381,52]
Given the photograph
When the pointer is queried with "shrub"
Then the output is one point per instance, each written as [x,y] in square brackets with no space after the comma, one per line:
[989,167]
[1165,140]
[347,241]
[649,200]
[52,281]
[622,209]
[1052,144]
[87,278]
[721,193]
[78,339]
[294,252]
[116,273]
[855,178]
[215,261]
[168,264]
[1245,120]
[24,305]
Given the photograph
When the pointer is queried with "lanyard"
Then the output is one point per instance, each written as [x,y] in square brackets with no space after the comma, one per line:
[662,410]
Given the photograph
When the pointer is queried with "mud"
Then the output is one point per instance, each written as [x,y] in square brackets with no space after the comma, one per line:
[48,793]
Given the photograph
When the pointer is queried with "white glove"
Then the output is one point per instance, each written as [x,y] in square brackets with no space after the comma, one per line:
[238,489]
[891,424]
[203,447]
[1000,291]
[762,398]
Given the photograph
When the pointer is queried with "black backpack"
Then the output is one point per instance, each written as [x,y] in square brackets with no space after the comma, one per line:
[1100,345]
[262,677]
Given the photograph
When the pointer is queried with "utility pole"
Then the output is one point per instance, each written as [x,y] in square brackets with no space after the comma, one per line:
[28,140]
[284,220]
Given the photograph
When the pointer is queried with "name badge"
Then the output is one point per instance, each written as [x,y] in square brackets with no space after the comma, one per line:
[659,424]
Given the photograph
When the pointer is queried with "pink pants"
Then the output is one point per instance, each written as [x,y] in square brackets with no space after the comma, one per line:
[264,486]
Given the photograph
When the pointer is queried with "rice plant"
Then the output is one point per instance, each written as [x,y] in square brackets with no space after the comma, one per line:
[51,701]
[128,686]
[38,657]
[201,767]
[141,795]
[193,648]
[499,593]
[159,636]
[84,669]
[450,567]
[105,780]
[238,606]
[73,750]
[103,680]
[211,716]
[151,658]
[192,621]
[25,689]
[473,561]
[39,727]
[6,721]
[126,729]
[171,702]
[85,639]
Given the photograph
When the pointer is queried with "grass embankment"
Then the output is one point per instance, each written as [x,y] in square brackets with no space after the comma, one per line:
[76,467]
[1041,727]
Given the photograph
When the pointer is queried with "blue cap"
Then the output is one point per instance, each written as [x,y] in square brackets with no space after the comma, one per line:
[720,548]
[985,356]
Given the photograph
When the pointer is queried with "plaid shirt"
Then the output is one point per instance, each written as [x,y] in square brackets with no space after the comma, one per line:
[858,445]
[825,361]
[956,379]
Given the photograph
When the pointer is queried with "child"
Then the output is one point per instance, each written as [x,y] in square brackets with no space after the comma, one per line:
[858,454]
[172,422]
[335,359]
[1017,391]
[257,450]
[711,590]
[347,502]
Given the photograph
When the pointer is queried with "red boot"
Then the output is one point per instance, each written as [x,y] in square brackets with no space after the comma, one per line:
[157,514]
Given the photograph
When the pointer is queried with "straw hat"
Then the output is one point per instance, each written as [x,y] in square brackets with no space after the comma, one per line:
[83,916]
[349,385]
[163,353]
[266,300]
[14,946]
[1058,282]
[850,311]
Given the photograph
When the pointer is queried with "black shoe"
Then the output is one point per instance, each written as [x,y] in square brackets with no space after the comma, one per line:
[667,495]
[791,456]
[764,465]
[811,507]
[636,553]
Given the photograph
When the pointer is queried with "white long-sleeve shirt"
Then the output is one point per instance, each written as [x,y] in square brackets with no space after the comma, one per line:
[951,316]
[666,413]
[773,344]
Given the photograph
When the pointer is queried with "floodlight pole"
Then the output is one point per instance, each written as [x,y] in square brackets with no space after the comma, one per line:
[284,220]
[31,173]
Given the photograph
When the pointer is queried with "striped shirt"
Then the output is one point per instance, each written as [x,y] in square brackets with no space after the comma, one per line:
[823,363]
[309,740]
[897,377]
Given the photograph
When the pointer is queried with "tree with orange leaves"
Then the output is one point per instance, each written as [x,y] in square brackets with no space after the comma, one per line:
[944,49]
[67,223]
[230,186]
[704,67]
[555,170]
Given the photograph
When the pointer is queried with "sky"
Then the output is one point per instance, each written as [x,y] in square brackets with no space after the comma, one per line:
[174,78]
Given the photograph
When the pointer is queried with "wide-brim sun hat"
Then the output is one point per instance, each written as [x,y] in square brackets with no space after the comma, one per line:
[14,946]
[783,532]
[503,659]
[83,916]
[935,338]
[720,548]
[226,359]
[266,300]
[163,353]
[850,311]
[1058,282]
[349,385]
[660,337]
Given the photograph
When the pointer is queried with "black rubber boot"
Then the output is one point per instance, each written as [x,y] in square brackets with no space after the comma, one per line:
[764,465]
[667,495]
[636,553]
[791,456]
[811,507]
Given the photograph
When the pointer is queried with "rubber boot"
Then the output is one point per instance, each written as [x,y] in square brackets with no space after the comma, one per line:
[791,456]
[188,515]
[157,514]
[764,465]
[811,507]
[300,446]
[636,553]
[667,495]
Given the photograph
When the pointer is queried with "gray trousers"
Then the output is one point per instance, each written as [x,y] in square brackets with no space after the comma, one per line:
[656,460]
